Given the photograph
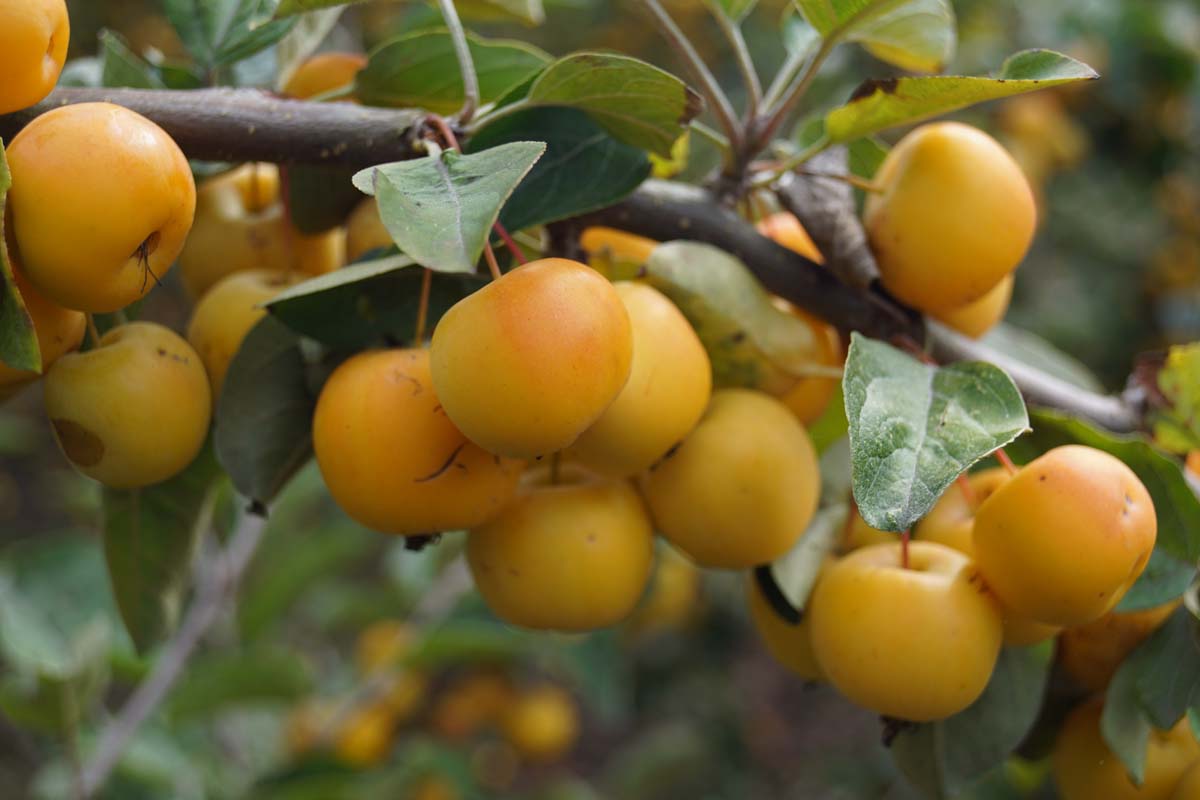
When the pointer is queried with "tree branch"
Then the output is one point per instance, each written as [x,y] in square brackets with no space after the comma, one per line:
[220,583]
[252,125]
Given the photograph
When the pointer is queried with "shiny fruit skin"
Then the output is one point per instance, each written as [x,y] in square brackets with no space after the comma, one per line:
[951,521]
[323,73]
[669,386]
[365,231]
[542,724]
[1085,768]
[133,411]
[674,598]
[59,330]
[953,217]
[85,239]
[34,35]
[568,556]
[527,363]
[784,229]
[1095,505]
[977,318]
[741,489]
[1092,653]
[790,645]
[390,457]
[809,397]
[226,314]
[241,225]
[916,644]
[611,244]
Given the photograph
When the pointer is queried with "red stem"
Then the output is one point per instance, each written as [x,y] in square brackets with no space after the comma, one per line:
[904,539]
[445,131]
[510,243]
[1005,461]
[968,492]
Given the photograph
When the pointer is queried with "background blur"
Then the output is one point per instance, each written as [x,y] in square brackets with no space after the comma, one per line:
[682,702]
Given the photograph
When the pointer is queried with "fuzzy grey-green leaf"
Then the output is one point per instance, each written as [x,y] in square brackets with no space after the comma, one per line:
[916,427]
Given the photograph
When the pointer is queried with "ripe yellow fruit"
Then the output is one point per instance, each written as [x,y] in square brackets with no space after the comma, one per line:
[1085,768]
[952,520]
[226,314]
[84,239]
[470,704]
[527,363]
[1095,505]
[542,724]
[241,224]
[34,35]
[742,488]
[859,534]
[365,230]
[1188,787]
[809,397]
[674,597]
[953,217]
[1092,653]
[390,457]
[916,644]
[610,244]
[323,73]
[59,330]
[977,318]
[670,382]
[366,738]
[569,556]
[133,411]
[789,644]
[784,229]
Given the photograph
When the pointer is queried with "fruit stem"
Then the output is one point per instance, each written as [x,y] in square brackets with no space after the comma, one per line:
[493,264]
[445,132]
[1005,461]
[423,306]
[853,180]
[93,331]
[511,244]
[968,493]
[904,539]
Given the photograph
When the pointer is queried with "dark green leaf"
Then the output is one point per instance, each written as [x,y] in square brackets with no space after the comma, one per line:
[420,70]
[1124,725]
[917,35]
[320,197]
[150,536]
[584,168]
[1164,671]
[529,12]
[440,209]
[368,303]
[244,36]
[944,758]
[636,102]
[239,678]
[120,66]
[288,8]
[734,9]
[18,341]
[264,417]
[915,427]
[881,104]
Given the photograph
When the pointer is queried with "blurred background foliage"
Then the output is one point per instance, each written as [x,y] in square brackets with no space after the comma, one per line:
[682,702]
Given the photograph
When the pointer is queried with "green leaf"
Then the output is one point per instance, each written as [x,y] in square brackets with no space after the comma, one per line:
[320,197]
[636,102]
[150,536]
[289,8]
[222,32]
[584,167]
[750,341]
[915,427]
[440,209]
[917,35]
[1124,725]
[420,70]
[1037,352]
[263,428]
[945,758]
[881,104]
[302,41]
[1167,670]
[245,36]
[368,303]
[239,678]
[1178,510]
[736,10]
[1179,382]
[18,340]
[530,12]
[865,156]
[120,66]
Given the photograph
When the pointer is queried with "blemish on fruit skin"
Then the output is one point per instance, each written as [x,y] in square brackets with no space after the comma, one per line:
[81,446]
